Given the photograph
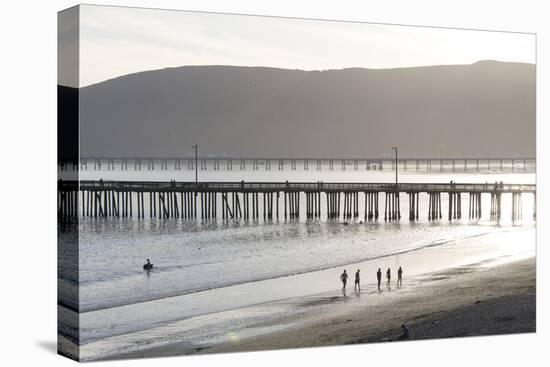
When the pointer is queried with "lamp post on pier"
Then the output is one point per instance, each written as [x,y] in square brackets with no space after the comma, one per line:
[196,147]
[396,168]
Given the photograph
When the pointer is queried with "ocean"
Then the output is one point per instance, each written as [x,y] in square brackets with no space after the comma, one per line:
[208,272]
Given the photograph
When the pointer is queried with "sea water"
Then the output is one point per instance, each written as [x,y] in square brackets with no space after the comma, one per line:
[203,267]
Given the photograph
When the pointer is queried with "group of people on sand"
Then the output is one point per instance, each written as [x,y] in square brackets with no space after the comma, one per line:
[357,287]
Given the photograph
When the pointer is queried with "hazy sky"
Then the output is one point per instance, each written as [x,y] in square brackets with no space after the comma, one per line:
[117,41]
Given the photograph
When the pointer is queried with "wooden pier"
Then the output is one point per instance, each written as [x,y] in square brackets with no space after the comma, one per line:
[411,164]
[277,200]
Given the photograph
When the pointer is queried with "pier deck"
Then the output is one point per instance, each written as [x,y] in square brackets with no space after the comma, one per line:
[244,187]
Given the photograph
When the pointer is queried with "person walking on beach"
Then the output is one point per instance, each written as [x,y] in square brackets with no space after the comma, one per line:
[388,276]
[379,277]
[399,277]
[344,279]
[357,281]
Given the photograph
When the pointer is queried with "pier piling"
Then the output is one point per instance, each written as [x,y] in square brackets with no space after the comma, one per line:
[102,199]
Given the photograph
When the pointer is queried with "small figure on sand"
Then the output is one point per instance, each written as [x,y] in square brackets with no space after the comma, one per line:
[404,333]
[379,277]
[388,276]
[399,277]
[344,279]
[357,281]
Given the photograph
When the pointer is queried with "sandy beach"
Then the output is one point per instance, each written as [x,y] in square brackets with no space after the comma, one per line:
[463,301]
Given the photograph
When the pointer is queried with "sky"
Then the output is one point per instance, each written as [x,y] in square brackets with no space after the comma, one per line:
[115,41]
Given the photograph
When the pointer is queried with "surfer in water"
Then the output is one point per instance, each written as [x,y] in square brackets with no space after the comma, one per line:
[148,265]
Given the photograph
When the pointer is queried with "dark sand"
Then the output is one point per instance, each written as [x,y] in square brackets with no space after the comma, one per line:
[469,301]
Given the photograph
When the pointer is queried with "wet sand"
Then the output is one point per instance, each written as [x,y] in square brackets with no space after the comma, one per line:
[462,301]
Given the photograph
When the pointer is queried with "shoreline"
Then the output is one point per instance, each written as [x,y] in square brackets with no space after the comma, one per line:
[381,258]
[456,302]
[249,310]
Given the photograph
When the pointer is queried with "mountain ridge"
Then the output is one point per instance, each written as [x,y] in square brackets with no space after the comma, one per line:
[484,109]
[305,70]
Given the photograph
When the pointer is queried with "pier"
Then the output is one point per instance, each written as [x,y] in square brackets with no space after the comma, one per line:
[281,200]
[411,164]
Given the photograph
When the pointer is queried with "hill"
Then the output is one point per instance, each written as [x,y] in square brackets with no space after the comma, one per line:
[484,109]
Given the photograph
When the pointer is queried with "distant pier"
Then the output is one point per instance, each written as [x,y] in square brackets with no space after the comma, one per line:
[268,164]
[278,200]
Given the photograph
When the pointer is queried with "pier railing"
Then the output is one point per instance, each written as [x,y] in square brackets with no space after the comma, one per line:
[296,186]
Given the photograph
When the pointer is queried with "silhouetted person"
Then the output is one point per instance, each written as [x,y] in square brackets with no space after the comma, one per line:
[404,333]
[101,182]
[344,279]
[379,277]
[148,265]
[357,281]
[388,276]
[242,184]
[399,277]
